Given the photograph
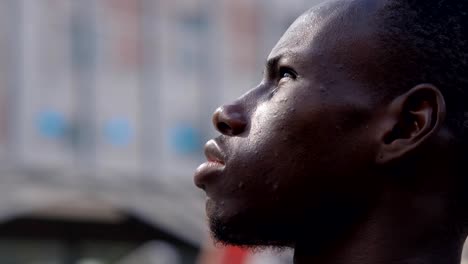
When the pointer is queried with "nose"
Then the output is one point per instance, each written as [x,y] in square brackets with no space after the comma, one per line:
[230,120]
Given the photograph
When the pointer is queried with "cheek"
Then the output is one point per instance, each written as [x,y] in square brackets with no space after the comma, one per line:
[295,145]
[274,156]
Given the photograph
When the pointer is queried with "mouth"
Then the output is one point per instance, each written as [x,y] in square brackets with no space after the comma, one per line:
[212,168]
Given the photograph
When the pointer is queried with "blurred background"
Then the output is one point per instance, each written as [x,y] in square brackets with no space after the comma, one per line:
[104,109]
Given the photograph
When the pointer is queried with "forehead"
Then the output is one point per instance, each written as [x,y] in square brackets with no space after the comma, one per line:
[305,30]
[338,30]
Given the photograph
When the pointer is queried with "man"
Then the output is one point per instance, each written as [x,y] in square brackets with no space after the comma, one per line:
[352,149]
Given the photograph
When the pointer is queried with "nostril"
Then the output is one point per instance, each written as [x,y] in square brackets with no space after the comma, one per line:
[230,120]
[224,128]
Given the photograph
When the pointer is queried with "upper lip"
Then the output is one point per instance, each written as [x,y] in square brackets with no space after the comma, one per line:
[213,152]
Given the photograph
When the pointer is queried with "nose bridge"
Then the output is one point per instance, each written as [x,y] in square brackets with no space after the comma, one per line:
[248,97]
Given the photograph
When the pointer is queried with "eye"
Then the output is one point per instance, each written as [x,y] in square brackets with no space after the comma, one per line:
[286,72]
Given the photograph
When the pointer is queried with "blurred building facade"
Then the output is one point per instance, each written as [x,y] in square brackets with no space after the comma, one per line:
[104,109]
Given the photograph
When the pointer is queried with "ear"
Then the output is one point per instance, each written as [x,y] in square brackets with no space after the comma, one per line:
[409,121]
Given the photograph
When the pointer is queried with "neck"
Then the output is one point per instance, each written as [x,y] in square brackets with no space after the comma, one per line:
[406,230]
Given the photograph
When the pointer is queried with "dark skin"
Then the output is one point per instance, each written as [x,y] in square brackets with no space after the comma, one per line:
[316,159]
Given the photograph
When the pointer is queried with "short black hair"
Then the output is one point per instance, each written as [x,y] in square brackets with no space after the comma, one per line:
[426,41]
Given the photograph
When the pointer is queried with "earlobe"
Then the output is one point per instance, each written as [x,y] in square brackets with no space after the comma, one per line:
[409,121]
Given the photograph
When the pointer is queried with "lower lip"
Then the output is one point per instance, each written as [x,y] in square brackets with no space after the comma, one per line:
[206,172]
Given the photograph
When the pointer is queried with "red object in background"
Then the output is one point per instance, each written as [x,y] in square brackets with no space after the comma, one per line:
[234,255]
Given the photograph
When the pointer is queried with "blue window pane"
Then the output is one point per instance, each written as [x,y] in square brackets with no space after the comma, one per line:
[185,139]
[118,132]
[51,124]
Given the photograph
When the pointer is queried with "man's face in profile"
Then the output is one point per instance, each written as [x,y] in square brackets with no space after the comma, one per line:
[294,152]
[350,148]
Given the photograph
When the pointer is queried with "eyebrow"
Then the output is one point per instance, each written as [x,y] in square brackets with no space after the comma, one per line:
[273,62]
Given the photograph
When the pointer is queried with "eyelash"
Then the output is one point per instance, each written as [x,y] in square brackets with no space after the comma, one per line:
[287,71]
[282,72]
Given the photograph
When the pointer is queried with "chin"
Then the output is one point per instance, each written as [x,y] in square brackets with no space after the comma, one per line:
[259,228]
[249,230]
